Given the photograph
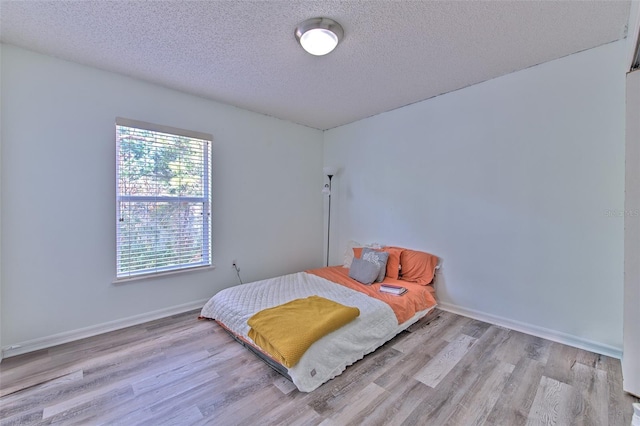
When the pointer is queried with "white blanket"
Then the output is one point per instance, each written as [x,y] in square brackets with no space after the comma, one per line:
[329,356]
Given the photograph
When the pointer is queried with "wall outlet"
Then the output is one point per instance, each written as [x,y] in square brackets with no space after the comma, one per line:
[234,263]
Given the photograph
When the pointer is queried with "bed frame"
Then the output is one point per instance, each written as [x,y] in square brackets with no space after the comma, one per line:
[279,368]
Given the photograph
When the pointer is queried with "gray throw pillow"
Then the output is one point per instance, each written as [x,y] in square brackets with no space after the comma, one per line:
[363,271]
[379,258]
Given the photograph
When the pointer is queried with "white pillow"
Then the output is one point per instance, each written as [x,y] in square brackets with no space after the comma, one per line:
[348,253]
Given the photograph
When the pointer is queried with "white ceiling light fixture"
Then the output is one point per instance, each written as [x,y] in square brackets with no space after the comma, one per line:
[319,36]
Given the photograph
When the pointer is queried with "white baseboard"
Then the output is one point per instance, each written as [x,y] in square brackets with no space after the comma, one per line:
[82,333]
[69,336]
[545,333]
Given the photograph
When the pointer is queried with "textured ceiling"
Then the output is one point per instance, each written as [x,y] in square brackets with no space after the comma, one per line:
[244,53]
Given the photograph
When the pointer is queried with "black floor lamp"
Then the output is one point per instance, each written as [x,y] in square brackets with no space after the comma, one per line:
[329,172]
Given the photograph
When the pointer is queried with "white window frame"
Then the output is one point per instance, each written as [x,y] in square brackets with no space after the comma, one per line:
[128,198]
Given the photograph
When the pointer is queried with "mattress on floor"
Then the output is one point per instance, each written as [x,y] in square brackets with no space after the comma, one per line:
[329,356]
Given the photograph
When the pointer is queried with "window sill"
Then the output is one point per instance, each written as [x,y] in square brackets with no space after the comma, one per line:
[162,274]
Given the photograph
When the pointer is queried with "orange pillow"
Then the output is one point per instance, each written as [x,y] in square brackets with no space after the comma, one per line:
[357,252]
[393,263]
[417,266]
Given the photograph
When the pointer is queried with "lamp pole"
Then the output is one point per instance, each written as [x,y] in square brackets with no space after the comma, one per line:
[329,220]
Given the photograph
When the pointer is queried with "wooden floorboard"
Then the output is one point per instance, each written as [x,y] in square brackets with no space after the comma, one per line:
[444,370]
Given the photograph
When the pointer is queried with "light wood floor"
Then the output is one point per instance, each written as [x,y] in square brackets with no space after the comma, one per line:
[447,370]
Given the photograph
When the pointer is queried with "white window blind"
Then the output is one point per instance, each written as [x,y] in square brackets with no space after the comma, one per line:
[163,198]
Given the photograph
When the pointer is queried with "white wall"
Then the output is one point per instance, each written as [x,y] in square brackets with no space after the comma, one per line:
[58,196]
[1,352]
[517,183]
[631,355]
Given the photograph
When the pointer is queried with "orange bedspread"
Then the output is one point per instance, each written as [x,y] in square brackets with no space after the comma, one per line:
[417,298]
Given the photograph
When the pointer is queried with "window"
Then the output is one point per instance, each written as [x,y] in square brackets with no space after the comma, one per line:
[163,198]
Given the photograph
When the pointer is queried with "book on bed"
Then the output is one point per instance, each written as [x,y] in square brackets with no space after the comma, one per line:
[393,289]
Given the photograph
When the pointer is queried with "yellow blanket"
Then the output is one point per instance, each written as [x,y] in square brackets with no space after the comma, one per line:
[286,331]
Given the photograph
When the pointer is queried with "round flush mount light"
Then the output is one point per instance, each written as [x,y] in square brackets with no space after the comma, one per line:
[319,36]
